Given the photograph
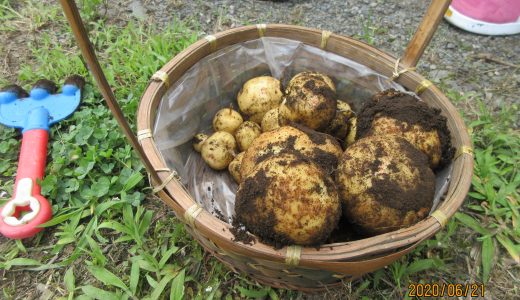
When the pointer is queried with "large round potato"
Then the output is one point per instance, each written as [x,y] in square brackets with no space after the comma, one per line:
[323,149]
[394,112]
[384,184]
[259,95]
[310,101]
[287,200]
[300,78]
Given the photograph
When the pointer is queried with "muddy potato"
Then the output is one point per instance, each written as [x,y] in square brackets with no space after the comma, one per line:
[198,140]
[234,167]
[270,120]
[227,119]
[246,133]
[224,138]
[309,101]
[394,112]
[384,184]
[300,78]
[288,200]
[259,95]
[339,127]
[321,148]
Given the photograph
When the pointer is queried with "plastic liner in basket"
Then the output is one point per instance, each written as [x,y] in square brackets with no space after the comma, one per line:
[190,104]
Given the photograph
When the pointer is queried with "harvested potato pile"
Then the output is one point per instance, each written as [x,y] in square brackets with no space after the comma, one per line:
[385,184]
[287,200]
[295,180]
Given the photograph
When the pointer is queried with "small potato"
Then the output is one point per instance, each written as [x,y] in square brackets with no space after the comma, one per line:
[259,95]
[226,139]
[198,140]
[227,119]
[246,133]
[234,167]
[339,127]
[351,137]
[217,156]
[270,120]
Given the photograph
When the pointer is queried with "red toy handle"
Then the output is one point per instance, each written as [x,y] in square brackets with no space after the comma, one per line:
[27,198]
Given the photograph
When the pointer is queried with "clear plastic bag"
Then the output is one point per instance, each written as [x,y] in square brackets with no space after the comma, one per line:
[190,104]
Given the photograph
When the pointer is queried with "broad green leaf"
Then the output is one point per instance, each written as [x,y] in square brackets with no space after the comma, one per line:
[59,219]
[423,264]
[99,294]
[510,247]
[167,255]
[471,223]
[488,251]
[145,222]
[177,288]
[253,293]
[69,280]
[100,208]
[21,262]
[132,181]
[107,277]
[134,277]
[159,288]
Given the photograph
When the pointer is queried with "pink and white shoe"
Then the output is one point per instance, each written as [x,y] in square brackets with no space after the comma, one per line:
[488,17]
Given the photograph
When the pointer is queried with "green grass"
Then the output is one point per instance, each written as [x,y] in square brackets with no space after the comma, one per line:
[111,238]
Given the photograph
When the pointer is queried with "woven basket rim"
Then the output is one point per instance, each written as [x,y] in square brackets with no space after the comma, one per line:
[218,231]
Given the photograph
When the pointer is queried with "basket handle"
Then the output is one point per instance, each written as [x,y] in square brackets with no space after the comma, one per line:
[424,33]
[71,12]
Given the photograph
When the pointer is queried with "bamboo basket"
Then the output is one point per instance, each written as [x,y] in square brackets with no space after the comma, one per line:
[294,267]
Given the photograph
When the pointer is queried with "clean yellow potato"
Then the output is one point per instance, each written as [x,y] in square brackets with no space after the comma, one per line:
[234,167]
[288,200]
[246,133]
[323,149]
[309,101]
[301,77]
[227,119]
[218,150]
[259,95]
[198,140]
[384,184]
[270,120]
[339,127]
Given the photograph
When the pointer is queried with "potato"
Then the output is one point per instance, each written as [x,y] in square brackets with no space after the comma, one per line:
[234,167]
[323,149]
[259,95]
[198,140]
[351,137]
[339,127]
[384,184]
[224,138]
[218,150]
[227,119]
[288,200]
[309,101]
[246,133]
[270,120]
[301,77]
[394,112]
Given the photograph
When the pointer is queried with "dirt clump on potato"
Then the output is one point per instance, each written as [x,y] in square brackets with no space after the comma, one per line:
[394,112]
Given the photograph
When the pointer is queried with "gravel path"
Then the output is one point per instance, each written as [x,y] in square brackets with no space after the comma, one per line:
[455,59]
